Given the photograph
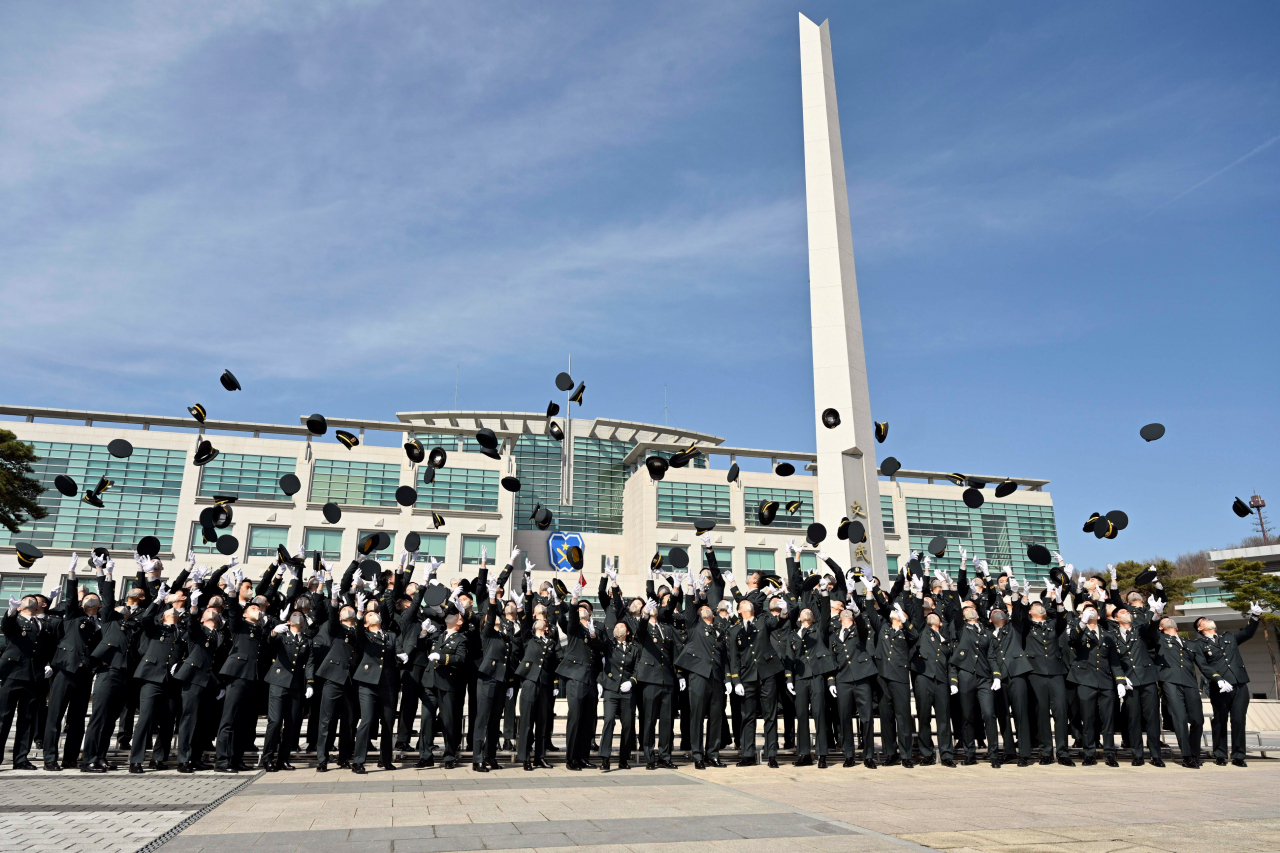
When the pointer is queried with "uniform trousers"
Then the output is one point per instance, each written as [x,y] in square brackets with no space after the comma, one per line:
[895,718]
[21,698]
[1097,711]
[449,707]
[759,699]
[377,702]
[195,723]
[581,697]
[1140,711]
[933,700]
[511,714]
[1011,709]
[706,716]
[535,716]
[69,694]
[157,711]
[785,704]
[619,706]
[238,714]
[810,701]
[657,728]
[491,696]
[1232,707]
[110,689]
[284,717]
[1183,705]
[410,699]
[427,724]
[338,707]
[977,715]
[854,699]
[1051,700]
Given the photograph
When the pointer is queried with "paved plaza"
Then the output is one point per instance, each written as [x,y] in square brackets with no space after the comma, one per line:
[735,810]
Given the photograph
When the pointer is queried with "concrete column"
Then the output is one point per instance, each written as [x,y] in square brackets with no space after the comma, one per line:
[846,455]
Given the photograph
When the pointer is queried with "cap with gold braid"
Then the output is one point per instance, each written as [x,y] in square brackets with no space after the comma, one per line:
[205,453]
[656,563]
[415,451]
[938,546]
[93,497]
[348,440]
[575,557]
[704,525]
[1006,488]
[28,554]
[767,511]
[437,457]
[882,431]
[657,467]
[1093,519]
[553,409]
[437,520]
[684,457]
[197,411]
[794,506]
[576,397]
[958,479]
[554,429]
[541,517]
[830,418]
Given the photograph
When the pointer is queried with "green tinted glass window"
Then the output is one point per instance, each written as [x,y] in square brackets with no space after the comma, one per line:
[759,560]
[690,501]
[16,586]
[328,542]
[997,532]
[474,489]
[753,496]
[431,547]
[263,540]
[472,547]
[143,500]
[255,477]
[886,513]
[598,480]
[354,483]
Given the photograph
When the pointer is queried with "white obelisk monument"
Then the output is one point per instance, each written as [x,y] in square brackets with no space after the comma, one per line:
[846,454]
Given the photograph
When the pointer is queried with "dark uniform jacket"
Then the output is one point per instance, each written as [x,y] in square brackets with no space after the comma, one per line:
[752,656]
[378,656]
[855,652]
[450,671]
[501,650]
[1041,640]
[808,655]
[338,649]
[1219,657]
[1175,660]
[162,646]
[657,650]
[1005,654]
[892,647]
[292,665]
[581,651]
[1134,653]
[77,633]
[206,651]
[28,645]
[247,640]
[1092,657]
[971,651]
[932,655]
[620,661]
[540,659]
[118,630]
[705,648]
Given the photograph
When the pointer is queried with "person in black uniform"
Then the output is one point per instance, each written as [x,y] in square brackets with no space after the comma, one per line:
[1092,665]
[1218,658]
[538,690]
[1137,683]
[290,679]
[753,664]
[27,643]
[77,633]
[447,672]
[1009,689]
[111,658]
[1041,641]
[577,674]
[656,675]
[973,676]
[339,647]
[703,661]
[248,627]
[1176,669]
[931,662]
[617,683]
[375,678]
[810,675]
[853,645]
[198,687]
[495,667]
[157,699]
[895,638]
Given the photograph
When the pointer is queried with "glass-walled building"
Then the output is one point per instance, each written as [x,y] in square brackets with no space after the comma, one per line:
[613,504]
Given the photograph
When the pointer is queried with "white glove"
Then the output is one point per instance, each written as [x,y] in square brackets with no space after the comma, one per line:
[728,576]
[162,593]
[13,605]
[822,557]
[899,612]
[599,691]
[284,613]
[1013,585]
[71,569]
[791,688]
[964,555]
[555,692]
[433,657]
[48,671]
[361,601]
[173,670]
[1156,605]
[1084,625]
[235,561]
[280,629]
[954,690]
[1120,690]
[737,688]
[1222,685]
[221,693]
[625,687]
[852,607]
[706,540]
[528,566]
[435,566]
[110,567]
[1128,683]
[402,657]
[191,557]
[791,548]
[1058,558]
[511,691]
[926,561]
[1112,570]
[728,688]
[995,684]
[782,603]
[834,693]
[484,556]
[428,626]
[684,685]
[981,566]
[1255,609]
[310,692]
[650,607]
[515,552]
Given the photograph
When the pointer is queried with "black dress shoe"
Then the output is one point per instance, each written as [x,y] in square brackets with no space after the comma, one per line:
[586,764]
[651,765]
[479,768]
[92,768]
[908,763]
[869,763]
[492,764]
[948,762]
[1088,762]
[1110,761]
[822,762]
[428,761]
[849,762]
[508,746]
[624,765]
[667,765]
[284,765]
[322,767]
[1157,762]
[1239,762]
[698,765]
[542,763]
[386,765]
[969,762]
[53,768]
[271,768]
[222,768]
[27,765]
[715,762]
[773,763]
[1190,763]
[450,763]
[995,762]
[1066,761]
[358,769]
[572,765]
[198,765]
[528,765]
[135,768]
[893,761]
[242,767]
[929,762]
[1221,762]
[746,762]
[604,765]
[802,761]
[1137,761]
[185,768]
[344,764]
[1024,762]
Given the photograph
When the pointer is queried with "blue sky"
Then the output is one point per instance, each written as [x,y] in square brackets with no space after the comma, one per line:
[1065,220]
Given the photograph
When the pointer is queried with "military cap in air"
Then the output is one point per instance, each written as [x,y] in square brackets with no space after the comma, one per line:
[830,418]
[1241,508]
[120,448]
[437,520]
[1118,518]
[412,541]
[229,381]
[553,409]
[65,485]
[554,429]
[227,545]
[197,411]
[406,496]
[656,562]
[1038,554]
[1145,577]
[205,452]
[784,469]
[576,396]
[679,558]
[973,498]
[148,546]
[486,438]
[1151,432]
[290,484]
[815,534]
[415,451]
[332,512]
[317,425]
[889,466]
[28,554]
[511,484]
[657,467]
[564,381]
[882,431]
[437,457]
[347,439]
[541,517]
[732,476]
[1006,488]
[766,512]
[938,546]
[704,525]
